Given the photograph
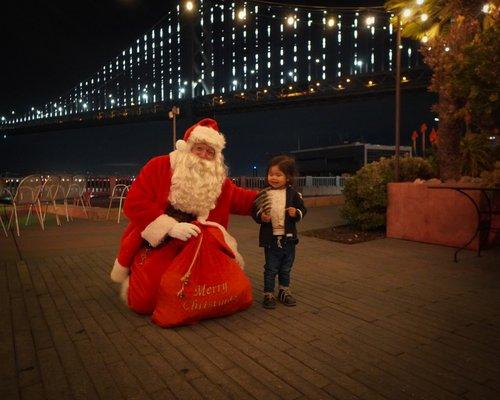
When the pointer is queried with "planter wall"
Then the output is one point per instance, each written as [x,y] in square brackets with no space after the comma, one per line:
[415,212]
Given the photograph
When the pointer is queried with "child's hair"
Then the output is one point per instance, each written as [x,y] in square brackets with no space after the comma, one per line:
[286,165]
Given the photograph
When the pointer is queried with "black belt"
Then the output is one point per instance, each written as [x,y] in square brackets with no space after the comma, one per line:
[178,215]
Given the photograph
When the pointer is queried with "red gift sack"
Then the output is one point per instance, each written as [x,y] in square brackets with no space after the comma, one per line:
[147,268]
[203,281]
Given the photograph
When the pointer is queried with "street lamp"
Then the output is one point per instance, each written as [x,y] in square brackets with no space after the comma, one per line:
[242,14]
[172,114]
[397,121]
[405,13]
[370,21]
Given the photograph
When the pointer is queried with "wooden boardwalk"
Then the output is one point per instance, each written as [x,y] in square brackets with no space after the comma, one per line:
[386,319]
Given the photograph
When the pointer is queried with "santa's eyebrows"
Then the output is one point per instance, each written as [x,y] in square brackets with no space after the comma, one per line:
[205,146]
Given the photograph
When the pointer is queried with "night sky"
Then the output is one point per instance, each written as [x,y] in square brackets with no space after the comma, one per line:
[47,47]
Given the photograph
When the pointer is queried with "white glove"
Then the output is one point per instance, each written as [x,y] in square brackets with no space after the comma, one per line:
[183,231]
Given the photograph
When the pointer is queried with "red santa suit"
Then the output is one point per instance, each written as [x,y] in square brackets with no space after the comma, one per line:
[155,190]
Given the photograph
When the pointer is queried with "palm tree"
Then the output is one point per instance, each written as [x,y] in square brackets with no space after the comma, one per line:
[445,28]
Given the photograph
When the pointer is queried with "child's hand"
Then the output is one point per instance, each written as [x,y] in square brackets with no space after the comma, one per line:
[265,217]
[292,212]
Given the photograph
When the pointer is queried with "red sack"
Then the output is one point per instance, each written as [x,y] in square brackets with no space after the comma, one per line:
[203,281]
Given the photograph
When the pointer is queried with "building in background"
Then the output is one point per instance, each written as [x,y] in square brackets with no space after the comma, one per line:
[342,159]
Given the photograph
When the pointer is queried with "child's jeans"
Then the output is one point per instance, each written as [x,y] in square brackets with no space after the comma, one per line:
[279,260]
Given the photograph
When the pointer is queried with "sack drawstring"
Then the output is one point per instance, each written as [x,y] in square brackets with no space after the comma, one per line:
[187,275]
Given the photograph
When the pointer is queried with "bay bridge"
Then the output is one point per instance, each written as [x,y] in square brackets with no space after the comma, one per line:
[210,56]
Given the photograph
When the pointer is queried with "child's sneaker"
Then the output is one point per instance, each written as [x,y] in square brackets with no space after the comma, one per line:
[269,301]
[286,297]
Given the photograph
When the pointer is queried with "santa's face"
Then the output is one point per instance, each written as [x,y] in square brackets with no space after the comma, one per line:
[203,151]
[196,179]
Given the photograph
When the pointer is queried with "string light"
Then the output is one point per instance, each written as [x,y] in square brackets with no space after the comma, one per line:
[486,8]
[424,17]
[406,12]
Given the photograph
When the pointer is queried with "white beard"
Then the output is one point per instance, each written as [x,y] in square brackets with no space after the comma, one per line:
[196,183]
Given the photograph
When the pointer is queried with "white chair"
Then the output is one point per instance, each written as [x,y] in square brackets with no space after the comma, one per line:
[119,193]
[64,191]
[48,196]
[27,194]
[76,193]
[2,192]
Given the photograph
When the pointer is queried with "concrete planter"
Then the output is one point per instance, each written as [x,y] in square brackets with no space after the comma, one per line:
[415,212]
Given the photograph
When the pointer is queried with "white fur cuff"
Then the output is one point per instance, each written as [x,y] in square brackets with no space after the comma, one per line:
[156,231]
[124,290]
[119,273]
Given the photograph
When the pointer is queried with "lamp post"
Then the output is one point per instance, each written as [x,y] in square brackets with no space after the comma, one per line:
[406,13]
[172,114]
[397,121]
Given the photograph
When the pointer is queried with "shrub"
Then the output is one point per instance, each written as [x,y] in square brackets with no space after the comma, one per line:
[477,154]
[366,192]
[496,152]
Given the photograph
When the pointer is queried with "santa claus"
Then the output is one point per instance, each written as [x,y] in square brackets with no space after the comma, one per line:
[169,194]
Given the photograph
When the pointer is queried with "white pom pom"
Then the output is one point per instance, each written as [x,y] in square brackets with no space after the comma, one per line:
[181,145]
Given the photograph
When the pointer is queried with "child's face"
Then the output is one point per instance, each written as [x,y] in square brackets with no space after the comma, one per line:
[276,178]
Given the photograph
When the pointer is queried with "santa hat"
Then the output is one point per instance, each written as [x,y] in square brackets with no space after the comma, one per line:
[206,131]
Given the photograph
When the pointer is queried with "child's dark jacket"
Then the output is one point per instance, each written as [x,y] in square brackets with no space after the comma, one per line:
[293,199]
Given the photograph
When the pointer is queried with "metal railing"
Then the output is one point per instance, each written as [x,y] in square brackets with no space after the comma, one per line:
[307,185]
